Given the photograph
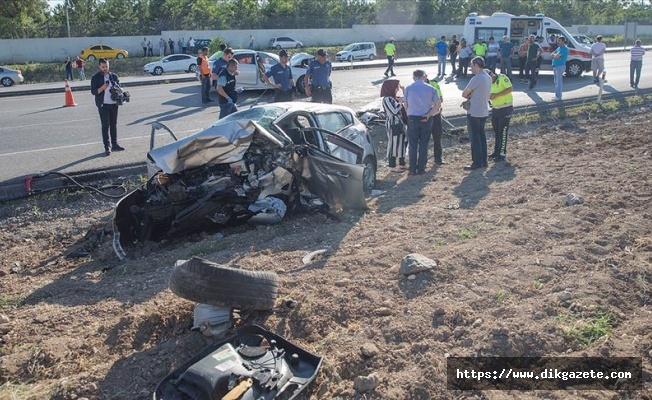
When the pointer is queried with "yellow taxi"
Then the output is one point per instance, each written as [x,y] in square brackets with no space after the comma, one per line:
[102,51]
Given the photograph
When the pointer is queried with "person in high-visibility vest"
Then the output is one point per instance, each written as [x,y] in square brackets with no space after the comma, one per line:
[437,128]
[204,75]
[480,48]
[502,104]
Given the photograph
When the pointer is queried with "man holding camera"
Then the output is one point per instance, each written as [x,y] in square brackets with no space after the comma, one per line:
[103,85]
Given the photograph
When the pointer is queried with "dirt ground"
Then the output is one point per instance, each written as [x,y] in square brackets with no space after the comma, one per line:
[518,274]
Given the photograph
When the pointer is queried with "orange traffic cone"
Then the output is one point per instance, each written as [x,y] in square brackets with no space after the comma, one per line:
[70,101]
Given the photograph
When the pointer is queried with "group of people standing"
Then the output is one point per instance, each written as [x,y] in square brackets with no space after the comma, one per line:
[79,64]
[165,48]
[416,116]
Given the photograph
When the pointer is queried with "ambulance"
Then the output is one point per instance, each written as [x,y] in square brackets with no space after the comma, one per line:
[518,28]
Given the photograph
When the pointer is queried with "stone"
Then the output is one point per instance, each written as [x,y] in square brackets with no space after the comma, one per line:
[414,263]
[367,383]
[383,311]
[477,323]
[4,319]
[369,350]
[538,315]
[458,332]
[565,295]
[412,277]
[573,199]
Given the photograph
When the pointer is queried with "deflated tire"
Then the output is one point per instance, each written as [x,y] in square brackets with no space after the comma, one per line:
[206,282]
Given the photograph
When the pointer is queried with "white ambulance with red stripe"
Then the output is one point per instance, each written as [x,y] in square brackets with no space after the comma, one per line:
[519,28]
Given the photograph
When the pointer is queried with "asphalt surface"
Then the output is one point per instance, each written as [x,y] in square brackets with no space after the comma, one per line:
[41,136]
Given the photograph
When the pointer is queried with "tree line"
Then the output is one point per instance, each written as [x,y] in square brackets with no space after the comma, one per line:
[35,18]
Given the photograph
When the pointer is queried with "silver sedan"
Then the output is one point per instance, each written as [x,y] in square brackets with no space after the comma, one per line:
[10,76]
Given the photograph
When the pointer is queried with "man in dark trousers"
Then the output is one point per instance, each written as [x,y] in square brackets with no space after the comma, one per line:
[101,85]
[502,104]
[228,94]
[204,75]
[318,79]
[281,73]
[533,54]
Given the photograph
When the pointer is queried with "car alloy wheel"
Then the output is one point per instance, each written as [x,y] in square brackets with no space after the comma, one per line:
[6,81]
[120,56]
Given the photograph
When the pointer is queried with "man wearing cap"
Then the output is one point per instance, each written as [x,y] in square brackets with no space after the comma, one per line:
[390,51]
[442,51]
[502,104]
[422,103]
[282,74]
[318,79]
[597,62]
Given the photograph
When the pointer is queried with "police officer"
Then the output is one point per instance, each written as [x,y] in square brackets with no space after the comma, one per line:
[220,64]
[437,128]
[204,75]
[390,51]
[317,80]
[227,90]
[503,107]
[282,74]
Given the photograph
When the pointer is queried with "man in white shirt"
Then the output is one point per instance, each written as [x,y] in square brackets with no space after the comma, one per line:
[597,52]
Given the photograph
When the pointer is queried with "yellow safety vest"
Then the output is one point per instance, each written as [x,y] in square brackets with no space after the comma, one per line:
[502,83]
[390,49]
[480,49]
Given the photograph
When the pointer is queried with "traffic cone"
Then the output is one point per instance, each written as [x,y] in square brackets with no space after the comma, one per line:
[70,101]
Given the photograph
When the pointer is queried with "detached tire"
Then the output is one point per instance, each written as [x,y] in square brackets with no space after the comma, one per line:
[206,282]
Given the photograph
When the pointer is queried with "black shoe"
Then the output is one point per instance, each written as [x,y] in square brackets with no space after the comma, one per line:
[499,158]
[401,162]
[440,162]
[107,152]
[421,172]
[411,173]
[117,147]
[386,76]
[393,74]
[472,167]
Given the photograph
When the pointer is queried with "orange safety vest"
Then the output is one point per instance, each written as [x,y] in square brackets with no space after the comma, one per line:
[204,68]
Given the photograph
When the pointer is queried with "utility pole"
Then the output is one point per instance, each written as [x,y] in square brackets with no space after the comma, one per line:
[67,17]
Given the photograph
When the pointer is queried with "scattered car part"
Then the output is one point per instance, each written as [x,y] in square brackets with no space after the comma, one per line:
[270,366]
[206,282]
[307,259]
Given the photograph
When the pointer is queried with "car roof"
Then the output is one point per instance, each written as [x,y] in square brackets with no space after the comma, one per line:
[305,106]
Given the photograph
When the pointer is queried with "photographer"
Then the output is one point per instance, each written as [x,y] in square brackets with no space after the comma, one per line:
[102,85]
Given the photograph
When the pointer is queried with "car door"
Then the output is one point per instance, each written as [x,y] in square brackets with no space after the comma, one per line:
[341,124]
[96,51]
[356,52]
[248,75]
[107,52]
[176,63]
[286,42]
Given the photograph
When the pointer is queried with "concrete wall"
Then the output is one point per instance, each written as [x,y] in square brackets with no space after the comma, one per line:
[45,50]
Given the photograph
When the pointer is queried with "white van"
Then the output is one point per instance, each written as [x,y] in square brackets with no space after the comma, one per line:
[520,27]
[357,51]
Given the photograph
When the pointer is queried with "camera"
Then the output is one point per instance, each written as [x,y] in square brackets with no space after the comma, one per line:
[119,95]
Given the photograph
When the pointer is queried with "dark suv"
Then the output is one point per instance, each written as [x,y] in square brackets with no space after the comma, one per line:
[199,43]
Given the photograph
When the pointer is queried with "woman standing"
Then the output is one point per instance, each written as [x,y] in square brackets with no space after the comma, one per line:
[394,123]
[68,65]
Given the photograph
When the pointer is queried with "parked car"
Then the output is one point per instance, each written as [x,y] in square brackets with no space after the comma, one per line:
[357,51]
[583,39]
[252,65]
[102,51]
[172,63]
[284,42]
[261,162]
[10,76]
[200,43]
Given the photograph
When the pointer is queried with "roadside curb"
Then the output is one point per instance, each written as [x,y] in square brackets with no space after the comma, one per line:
[17,188]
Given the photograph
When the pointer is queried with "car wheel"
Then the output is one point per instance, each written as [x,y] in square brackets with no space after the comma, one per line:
[371,57]
[369,176]
[574,69]
[298,46]
[278,47]
[193,68]
[7,81]
[120,56]
[206,282]
[301,84]
[158,71]
[90,58]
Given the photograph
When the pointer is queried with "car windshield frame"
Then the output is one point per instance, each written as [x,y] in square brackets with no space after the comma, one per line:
[263,116]
[350,47]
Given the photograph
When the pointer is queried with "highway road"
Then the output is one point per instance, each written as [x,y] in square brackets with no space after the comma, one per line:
[38,134]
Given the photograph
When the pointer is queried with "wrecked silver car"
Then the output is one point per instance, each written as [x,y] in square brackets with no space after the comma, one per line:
[257,163]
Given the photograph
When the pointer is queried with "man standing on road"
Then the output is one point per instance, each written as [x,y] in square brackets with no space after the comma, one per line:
[204,75]
[422,103]
[533,54]
[161,47]
[150,48]
[227,90]
[191,45]
[390,52]
[502,104]
[171,44]
[597,62]
[559,57]
[101,85]
[318,79]
[143,44]
[80,68]
[453,49]
[480,48]
[442,51]
[493,49]
[221,63]
[478,92]
[522,60]
[637,52]
[251,42]
[506,51]
[282,74]
[181,44]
